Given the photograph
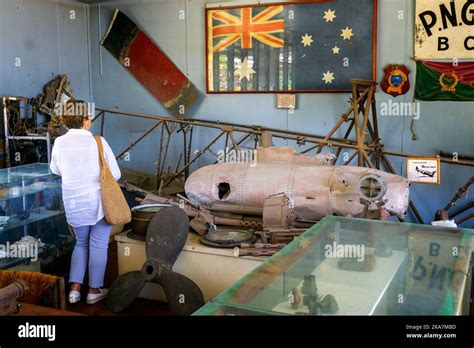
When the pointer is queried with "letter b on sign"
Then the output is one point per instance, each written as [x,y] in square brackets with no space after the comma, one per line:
[443,44]
[434,249]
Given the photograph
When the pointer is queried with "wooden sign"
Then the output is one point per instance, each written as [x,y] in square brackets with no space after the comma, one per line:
[444,29]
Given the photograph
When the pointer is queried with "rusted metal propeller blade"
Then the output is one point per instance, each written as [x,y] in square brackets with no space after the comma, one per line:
[166,235]
[184,296]
[124,290]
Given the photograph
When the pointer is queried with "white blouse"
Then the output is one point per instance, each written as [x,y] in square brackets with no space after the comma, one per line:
[75,158]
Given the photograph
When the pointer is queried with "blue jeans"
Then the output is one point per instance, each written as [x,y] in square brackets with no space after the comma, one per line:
[91,248]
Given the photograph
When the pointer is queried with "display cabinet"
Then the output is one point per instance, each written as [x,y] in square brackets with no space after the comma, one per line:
[33,230]
[346,266]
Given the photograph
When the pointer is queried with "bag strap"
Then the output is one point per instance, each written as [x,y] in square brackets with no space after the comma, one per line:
[102,163]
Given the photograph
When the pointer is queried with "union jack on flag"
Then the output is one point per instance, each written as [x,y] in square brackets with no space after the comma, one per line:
[261,26]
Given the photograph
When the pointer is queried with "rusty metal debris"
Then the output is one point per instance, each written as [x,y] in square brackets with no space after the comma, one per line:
[278,212]
[276,236]
[54,93]
[256,252]
[165,238]
[262,246]
[23,133]
[228,238]
[258,249]
[141,217]
[28,134]
[283,199]
[366,147]
[316,304]
[313,191]
[361,118]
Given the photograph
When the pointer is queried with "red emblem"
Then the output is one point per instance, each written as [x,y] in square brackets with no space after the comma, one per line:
[395,81]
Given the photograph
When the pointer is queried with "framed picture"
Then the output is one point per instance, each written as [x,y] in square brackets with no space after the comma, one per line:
[286,101]
[423,170]
[317,46]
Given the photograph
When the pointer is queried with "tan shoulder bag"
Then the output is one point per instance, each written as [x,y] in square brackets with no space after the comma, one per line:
[116,209]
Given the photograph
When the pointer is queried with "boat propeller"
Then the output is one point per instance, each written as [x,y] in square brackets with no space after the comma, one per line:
[166,235]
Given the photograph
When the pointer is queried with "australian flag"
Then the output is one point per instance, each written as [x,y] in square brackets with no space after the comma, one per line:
[291,47]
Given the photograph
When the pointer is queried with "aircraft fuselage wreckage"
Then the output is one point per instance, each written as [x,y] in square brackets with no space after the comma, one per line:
[286,192]
[312,187]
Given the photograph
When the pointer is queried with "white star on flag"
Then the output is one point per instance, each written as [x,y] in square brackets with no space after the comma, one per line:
[307,40]
[347,33]
[329,15]
[328,77]
[244,70]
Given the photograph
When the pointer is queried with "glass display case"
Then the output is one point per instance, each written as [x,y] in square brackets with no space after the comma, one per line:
[33,230]
[347,266]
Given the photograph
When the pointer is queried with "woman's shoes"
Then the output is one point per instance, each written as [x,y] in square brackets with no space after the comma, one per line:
[94,298]
[74,296]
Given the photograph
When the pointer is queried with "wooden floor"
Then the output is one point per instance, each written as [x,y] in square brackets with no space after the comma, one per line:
[139,307]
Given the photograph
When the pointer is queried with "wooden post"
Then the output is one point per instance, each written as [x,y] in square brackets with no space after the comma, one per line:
[355,93]
[266,139]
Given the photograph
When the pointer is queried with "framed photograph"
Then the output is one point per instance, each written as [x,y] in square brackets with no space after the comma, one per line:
[290,47]
[423,170]
[286,101]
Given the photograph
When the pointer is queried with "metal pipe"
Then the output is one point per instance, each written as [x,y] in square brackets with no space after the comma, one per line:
[447,154]
[28,137]
[349,160]
[348,132]
[185,147]
[215,124]
[366,120]
[464,219]
[343,119]
[462,210]
[102,121]
[462,190]
[137,141]
[236,209]
[97,116]
[168,140]
[367,159]
[186,172]
[194,159]
[160,153]
[48,147]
